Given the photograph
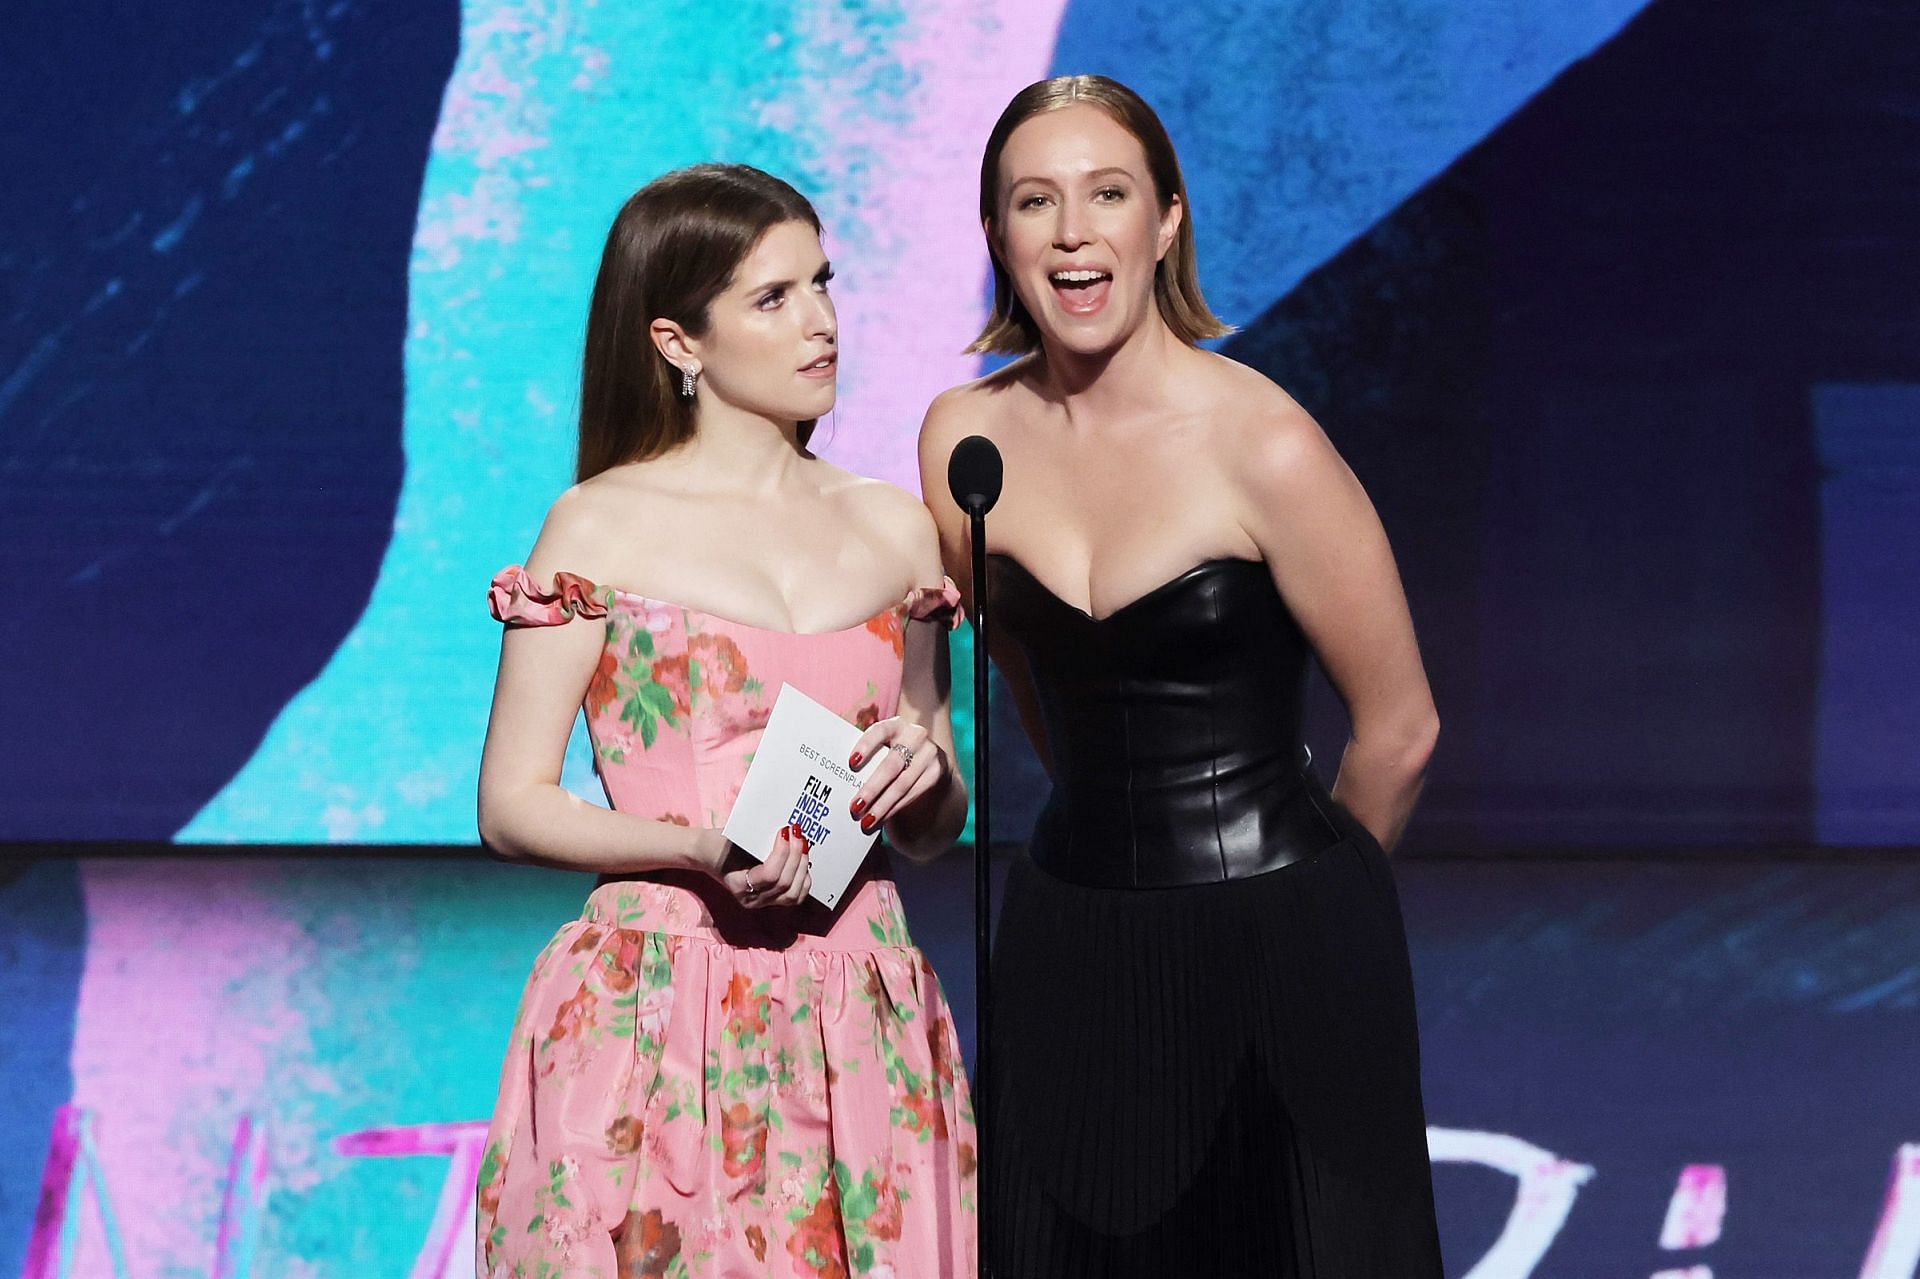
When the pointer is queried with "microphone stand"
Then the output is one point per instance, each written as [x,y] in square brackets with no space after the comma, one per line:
[982,883]
[975,472]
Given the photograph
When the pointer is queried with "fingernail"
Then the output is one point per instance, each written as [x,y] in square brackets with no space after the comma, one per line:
[806,845]
[859,805]
[867,824]
[855,761]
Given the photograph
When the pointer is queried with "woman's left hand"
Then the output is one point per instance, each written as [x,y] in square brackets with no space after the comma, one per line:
[914,765]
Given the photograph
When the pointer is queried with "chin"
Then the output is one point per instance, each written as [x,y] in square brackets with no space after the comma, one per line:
[812,406]
[1102,333]
[1102,338]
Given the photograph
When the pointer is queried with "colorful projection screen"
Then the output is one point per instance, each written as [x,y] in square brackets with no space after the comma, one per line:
[1628,359]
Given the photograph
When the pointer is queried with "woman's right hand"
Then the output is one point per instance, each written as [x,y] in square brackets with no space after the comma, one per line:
[784,879]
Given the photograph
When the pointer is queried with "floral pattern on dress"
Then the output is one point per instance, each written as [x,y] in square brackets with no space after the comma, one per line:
[739,1093]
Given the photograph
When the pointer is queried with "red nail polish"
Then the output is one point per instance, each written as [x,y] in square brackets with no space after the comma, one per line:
[806,845]
[859,805]
[867,824]
[855,761]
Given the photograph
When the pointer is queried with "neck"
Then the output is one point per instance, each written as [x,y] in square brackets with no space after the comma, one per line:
[1113,384]
[742,450]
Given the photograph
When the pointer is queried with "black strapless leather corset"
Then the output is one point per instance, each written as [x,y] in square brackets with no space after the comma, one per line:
[1173,726]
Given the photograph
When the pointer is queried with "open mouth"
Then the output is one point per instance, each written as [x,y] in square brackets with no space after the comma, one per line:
[822,368]
[1082,290]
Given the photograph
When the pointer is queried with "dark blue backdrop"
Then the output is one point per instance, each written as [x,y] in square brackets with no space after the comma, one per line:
[200,380]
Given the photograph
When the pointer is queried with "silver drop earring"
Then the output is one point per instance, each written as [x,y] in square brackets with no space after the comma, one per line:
[687,378]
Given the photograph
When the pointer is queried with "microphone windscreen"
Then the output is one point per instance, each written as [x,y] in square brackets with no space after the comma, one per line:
[974,473]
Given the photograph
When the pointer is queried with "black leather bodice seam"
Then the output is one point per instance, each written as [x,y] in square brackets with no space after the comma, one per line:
[1213,749]
[1133,842]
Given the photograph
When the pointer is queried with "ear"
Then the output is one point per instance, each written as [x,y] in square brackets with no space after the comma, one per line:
[992,233]
[1170,225]
[673,343]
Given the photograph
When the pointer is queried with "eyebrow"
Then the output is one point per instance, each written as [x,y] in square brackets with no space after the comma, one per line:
[826,268]
[1110,171]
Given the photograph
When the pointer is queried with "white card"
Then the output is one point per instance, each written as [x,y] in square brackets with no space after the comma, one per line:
[799,774]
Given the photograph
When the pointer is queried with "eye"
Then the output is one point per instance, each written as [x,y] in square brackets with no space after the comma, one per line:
[772,300]
[822,280]
[1031,202]
[1112,195]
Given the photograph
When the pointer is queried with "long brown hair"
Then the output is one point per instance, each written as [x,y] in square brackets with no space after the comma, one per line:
[1176,279]
[671,251]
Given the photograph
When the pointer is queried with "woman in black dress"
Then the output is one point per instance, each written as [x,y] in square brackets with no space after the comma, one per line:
[1206,1058]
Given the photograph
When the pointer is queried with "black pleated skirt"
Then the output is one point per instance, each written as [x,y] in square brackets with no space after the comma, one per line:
[1219,1080]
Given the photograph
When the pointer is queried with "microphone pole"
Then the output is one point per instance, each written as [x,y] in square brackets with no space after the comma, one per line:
[974,475]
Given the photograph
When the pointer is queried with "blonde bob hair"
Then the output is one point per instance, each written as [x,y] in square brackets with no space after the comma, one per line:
[1176,284]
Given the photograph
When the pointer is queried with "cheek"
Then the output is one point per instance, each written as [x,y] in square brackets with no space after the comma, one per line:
[737,352]
[1142,238]
[1024,246]
[768,332]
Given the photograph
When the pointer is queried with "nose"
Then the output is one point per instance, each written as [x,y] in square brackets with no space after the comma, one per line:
[821,319]
[1069,228]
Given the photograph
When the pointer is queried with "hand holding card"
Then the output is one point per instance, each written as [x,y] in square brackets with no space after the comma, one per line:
[783,878]
[799,776]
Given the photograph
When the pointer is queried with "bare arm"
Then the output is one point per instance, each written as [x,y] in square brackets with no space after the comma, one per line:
[922,804]
[1318,532]
[525,814]
[944,427]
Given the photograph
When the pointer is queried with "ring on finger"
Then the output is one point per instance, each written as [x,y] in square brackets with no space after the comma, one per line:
[753,889]
[905,753]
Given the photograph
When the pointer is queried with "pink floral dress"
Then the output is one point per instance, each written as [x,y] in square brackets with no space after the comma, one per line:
[768,1093]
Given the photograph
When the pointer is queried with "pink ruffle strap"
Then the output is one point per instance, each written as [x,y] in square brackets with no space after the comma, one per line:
[936,604]
[515,600]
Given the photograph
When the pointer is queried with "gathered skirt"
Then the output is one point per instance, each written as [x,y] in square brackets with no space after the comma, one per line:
[1221,1079]
[754,1099]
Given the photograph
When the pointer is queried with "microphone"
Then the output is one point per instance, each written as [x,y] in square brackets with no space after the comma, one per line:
[974,474]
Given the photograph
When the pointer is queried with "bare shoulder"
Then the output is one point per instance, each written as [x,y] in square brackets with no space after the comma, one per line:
[1265,437]
[976,407]
[888,513]
[585,521]
[870,500]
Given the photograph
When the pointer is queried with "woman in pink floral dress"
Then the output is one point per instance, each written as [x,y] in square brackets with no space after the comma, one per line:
[710,1074]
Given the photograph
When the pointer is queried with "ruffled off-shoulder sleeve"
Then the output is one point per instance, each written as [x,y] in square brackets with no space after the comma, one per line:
[515,600]
[936,604]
